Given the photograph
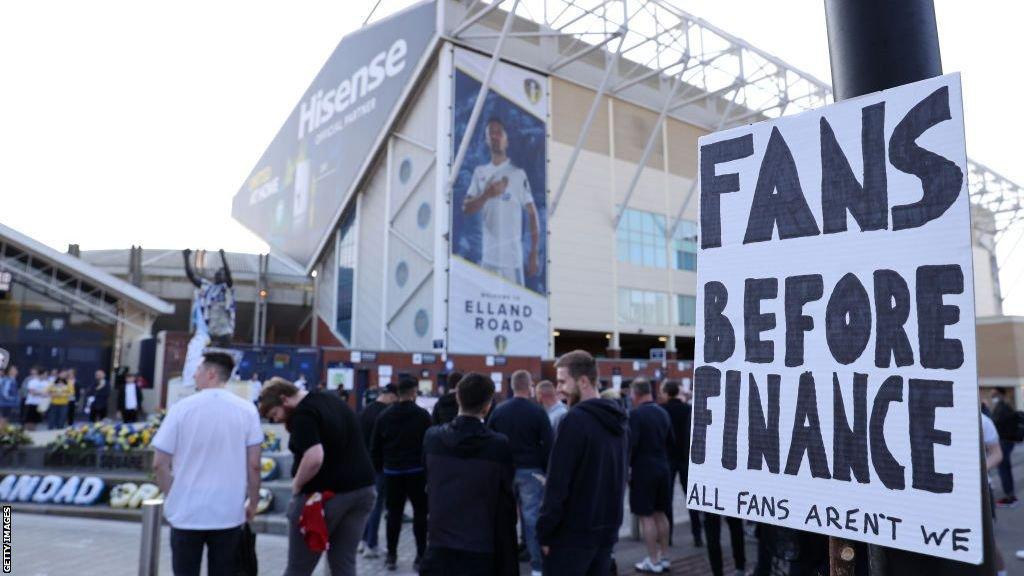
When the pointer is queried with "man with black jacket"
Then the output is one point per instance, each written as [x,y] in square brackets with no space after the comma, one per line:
[681,414]
[528,429]
[650,483]
[397,450]
[470,472]
[582,510]
[367,420]
[1005,419]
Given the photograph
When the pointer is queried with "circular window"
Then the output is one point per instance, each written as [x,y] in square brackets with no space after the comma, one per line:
[405,171]
[423,216]
[401,274]
[422,323]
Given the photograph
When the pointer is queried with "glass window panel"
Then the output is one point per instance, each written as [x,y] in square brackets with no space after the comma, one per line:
[689,261]
[346,277]
[687,310]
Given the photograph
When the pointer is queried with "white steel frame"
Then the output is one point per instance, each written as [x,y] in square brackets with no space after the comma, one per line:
[691,63]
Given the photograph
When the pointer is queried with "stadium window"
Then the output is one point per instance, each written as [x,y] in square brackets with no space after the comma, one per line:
[684,245]
[643,307]
[641,238]
[687,310]
[346,276]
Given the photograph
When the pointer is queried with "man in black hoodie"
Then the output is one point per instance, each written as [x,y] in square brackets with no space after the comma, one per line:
[582,510]
[397,450]
[470,472]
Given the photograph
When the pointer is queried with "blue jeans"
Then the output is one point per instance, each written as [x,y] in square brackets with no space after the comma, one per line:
[530,493]
[373,521]
[57,417]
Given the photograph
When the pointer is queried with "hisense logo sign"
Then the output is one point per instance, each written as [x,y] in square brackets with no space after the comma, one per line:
[323,105]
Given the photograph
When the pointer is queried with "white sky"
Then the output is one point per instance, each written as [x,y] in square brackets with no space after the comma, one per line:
[135,123]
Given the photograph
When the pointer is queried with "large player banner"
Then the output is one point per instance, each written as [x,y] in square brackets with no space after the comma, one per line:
[836,385]
[498,274]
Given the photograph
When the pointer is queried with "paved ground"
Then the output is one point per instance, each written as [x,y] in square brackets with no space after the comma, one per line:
[56,546]
[60,546]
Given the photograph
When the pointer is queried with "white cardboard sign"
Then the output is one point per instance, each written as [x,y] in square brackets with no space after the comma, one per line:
[836,388]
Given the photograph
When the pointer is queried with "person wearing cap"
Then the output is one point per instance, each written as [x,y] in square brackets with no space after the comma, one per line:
[447,407]
[331,470]
[207,462]
[386,396]
[397,450]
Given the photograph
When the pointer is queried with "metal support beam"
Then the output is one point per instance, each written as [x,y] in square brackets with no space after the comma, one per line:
[585,129]
[581,53]
[477,17]
[478,107]
[658,127]
[693,185]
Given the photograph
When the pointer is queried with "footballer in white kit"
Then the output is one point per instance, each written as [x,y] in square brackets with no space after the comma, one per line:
[502,192]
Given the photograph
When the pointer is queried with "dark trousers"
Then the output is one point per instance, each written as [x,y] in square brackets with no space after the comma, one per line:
[562,561]
[187,551]
[397,489]
[130,416]
[681,469]
[713,532]
[345,516]
[97,413]
[451,562]
[1006,469]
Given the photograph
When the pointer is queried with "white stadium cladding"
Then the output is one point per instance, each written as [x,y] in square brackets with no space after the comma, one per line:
[632,85]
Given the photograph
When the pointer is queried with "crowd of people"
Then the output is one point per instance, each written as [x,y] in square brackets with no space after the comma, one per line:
[58,398]
[556,459]
[540,478]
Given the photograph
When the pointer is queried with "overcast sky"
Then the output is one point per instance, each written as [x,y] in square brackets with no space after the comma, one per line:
[135,123]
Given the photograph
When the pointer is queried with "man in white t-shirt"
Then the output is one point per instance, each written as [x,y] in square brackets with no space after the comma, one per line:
[207,462]
[501,191]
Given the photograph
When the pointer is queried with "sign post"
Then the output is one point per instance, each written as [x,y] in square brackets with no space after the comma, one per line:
[835,388]
[875,45]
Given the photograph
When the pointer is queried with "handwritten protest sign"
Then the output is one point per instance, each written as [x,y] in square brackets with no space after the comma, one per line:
[835,388]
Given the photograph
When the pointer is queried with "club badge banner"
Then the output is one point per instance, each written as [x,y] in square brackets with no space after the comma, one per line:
[498,275]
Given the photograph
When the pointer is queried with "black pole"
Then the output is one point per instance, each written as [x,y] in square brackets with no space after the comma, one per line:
[878,44]
[875,45]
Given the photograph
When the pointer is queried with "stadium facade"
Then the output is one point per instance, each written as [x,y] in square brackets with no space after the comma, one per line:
[554,208]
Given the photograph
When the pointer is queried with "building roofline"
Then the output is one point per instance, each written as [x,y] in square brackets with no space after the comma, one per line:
[114,285]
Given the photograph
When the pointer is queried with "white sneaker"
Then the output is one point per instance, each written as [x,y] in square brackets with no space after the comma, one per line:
[665,564]
[648,567]
[536,573]
[371,553]
[1020,554]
